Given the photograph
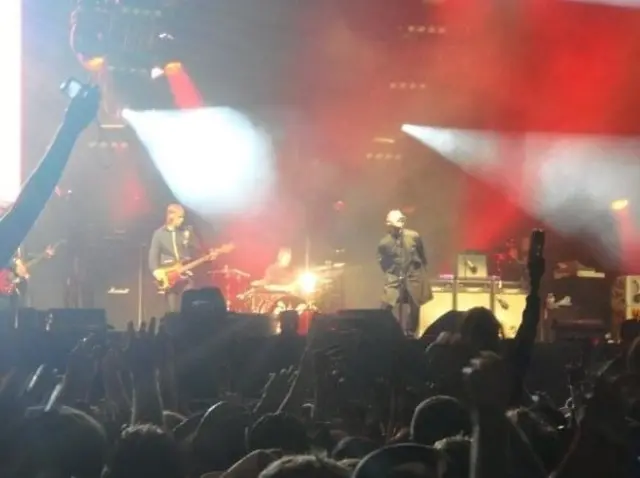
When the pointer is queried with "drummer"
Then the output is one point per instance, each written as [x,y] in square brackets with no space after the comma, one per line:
[281,273]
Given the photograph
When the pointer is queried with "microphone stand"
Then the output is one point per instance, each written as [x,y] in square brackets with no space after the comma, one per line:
[402,290]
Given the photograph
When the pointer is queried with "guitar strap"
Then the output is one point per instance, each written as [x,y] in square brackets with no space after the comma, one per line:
[175,245]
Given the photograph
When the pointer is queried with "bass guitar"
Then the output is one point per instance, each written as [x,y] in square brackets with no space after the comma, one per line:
[168,277]
[10,279]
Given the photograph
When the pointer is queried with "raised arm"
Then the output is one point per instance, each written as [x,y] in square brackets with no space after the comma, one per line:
[519,355]
[15,225]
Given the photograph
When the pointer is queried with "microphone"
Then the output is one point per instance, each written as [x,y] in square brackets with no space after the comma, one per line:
[471,266]
[503,303]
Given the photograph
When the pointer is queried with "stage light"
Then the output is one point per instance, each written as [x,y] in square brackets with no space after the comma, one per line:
[214,160]
[10,99]
[94,64]
[425,29]
[156,72]
[308,282]
[173,67]
[407,85]
[384,140]
[619,204]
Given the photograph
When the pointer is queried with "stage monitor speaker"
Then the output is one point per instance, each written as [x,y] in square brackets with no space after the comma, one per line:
[430,312]
[250,325]
[377,322]
[508,305]
[83,320]
[471,265]
[208,300]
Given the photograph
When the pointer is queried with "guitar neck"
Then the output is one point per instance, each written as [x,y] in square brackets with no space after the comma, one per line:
[196,263]
[35,260]
[43,255]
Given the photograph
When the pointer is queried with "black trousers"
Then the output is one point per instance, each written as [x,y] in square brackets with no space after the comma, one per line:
[407,313]
[173,296]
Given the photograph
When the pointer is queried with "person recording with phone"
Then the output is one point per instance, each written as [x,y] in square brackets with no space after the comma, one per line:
[402,258]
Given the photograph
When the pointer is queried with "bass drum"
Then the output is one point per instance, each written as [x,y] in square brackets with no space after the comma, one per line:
[276,304]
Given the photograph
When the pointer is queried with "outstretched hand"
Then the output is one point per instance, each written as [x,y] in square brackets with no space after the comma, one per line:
[83,109]
[278,385]
[141,350]
[82,366]
[487,379]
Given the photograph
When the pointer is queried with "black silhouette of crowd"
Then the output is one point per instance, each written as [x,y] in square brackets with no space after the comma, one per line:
[185,397]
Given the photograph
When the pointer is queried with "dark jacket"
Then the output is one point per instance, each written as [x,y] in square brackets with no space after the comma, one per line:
[165,244]
[403,259]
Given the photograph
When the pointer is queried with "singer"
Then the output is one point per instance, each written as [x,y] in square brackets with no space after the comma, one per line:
[170,244]
[402,258]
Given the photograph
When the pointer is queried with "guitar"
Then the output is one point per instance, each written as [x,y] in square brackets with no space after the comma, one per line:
[11,279]
[173,274]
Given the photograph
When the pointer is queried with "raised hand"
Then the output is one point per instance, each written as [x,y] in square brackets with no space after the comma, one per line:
[276,390]
[82,366]
[141,350]
[487,379]
[83,109]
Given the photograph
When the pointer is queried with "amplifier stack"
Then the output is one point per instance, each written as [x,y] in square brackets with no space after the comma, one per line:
[472,287]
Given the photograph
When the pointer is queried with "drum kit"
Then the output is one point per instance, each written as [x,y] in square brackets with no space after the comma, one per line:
[314,289]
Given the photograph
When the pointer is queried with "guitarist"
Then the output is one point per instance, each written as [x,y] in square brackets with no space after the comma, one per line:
[172,243]
[21,271]
[16,276]
[14,298]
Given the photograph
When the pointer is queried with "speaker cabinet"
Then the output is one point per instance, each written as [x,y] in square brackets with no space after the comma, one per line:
[626,292]
[441,303]
[122,284]
[625,302]
[469,297]
[508,307]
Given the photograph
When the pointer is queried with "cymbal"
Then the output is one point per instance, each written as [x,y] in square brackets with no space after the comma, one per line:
[236,272]
[335,267]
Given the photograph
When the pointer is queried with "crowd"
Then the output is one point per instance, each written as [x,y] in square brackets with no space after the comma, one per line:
[455,408]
